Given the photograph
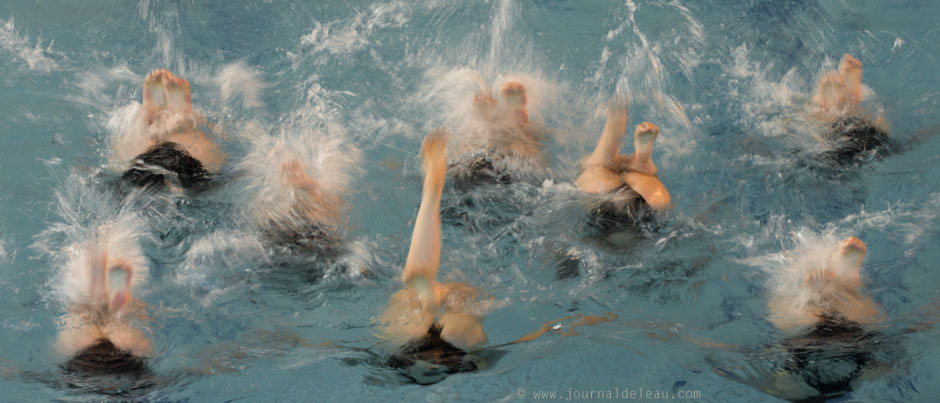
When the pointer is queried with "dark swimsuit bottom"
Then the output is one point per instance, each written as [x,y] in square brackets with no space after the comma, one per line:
[167,162]
[431,359]
[309,237]
[478,171]
[611,215]
[856,139]
[104,358]
[831,355]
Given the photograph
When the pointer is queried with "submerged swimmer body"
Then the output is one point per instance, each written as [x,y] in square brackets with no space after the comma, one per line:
[311,220]
[852,136]
[506,135]
[431,324]
[826,317]
[174,152]
[627,184]
[96,332]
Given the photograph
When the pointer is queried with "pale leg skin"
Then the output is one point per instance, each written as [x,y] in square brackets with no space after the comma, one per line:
[127,338]
[851,70]
[424,254]
[841,91]
[312,202]
[412,311]
[460,326]
[462,330]
[485,106]
[105,315]
[643,139]
[167,106]
[515,98]
[612,136]
[650,188]
[834,290]
[76,335]
[596,176]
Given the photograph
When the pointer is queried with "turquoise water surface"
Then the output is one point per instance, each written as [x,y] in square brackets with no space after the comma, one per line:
[678,306]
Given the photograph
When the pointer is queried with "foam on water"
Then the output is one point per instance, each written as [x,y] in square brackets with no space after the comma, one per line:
[36,57]
[348,90]
[92,226]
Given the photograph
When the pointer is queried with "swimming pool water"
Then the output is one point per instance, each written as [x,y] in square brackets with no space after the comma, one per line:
[680,306]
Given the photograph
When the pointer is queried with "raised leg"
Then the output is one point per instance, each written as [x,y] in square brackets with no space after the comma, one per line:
[596,175]
[119,286]
[851,70]
[514,96]
[851,252]
[424,255]
[612,136]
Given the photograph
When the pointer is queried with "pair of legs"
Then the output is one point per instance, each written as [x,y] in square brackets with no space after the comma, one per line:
[507,127]
[514,98]
[104,314]
[424,302]
[605,170]
[834,290]
[168,116]
[840,91]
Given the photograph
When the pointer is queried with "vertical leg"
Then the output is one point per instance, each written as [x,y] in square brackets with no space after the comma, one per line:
[851,70]
[514,96]
[424,255]
[611,138]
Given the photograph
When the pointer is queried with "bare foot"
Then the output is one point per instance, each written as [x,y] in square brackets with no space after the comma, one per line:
[178,95]
[514,95]
[643,138]
[484,105]
[154,96]
[852,251]
[165,92]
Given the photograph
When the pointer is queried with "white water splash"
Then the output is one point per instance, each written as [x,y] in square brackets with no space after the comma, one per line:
[239,80]
[36,57]
[91,226]
[349,35]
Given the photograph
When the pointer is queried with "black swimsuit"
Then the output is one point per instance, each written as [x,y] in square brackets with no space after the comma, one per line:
[165,162]
[104,358]
[478,171]
[612,215]
[444,357]
[856,139]
[831,355]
